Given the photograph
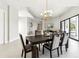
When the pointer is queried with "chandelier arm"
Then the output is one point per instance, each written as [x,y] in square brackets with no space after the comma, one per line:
[46,13]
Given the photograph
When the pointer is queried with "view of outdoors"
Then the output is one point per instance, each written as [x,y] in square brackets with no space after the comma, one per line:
[74,27]
[62,26]
[67,26]
[71,27]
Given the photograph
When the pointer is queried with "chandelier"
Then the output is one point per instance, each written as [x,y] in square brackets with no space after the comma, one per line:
[47,13]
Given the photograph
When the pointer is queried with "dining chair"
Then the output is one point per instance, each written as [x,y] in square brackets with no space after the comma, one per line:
[53,45]
[64,41]
[48,34]
[26,48]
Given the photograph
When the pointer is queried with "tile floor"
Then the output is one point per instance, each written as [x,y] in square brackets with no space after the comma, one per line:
[13,50]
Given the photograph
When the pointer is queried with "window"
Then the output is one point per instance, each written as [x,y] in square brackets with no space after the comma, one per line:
[70,25]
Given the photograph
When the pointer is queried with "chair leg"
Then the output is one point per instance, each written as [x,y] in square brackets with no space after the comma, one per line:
[43,49]
[50,54]
[66,47]
[22,53]
[58,51]
[39,47]
[61,49]
[67,43]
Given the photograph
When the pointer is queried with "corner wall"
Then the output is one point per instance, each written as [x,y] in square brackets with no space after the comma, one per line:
[71,12]
[13,23]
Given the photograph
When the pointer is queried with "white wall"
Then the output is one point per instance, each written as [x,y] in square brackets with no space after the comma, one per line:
[8,23]
[3,22]
[30,29]
[13,23]
[25,18]
[22,26]
[55,22]
[2,26]
[73,11]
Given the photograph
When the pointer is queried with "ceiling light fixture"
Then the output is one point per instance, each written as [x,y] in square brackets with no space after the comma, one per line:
[47,13]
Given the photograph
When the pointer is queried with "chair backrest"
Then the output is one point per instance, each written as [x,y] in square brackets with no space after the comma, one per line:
[65,39]
[56,41]
[22,41]
[38,33]
[61,39]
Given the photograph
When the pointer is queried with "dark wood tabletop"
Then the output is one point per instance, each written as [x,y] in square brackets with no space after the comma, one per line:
[38,39]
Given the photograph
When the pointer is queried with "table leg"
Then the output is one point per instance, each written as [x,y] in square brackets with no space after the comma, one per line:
[35,52]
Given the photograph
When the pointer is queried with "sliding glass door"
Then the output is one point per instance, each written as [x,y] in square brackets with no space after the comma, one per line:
[70,25]
[62,26]
[74,27]
[67,26]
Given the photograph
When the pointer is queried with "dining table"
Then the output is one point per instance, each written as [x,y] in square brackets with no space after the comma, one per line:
[34,40]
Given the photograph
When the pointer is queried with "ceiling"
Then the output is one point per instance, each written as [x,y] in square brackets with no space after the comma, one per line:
[35,7]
